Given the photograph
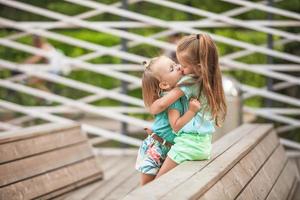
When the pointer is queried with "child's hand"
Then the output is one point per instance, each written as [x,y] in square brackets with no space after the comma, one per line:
[148,130]
[194,105]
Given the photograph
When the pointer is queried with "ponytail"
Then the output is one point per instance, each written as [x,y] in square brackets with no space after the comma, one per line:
[201,53]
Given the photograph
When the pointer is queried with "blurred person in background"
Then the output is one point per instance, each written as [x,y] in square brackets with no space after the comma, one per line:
[56,62]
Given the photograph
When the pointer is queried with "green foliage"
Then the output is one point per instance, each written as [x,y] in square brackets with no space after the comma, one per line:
[66,7]
[109,40]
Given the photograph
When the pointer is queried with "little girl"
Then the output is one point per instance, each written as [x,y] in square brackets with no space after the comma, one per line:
[161,75]
[199,59]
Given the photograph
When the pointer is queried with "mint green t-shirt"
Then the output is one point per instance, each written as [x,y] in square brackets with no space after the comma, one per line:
[161,125]
[201,123]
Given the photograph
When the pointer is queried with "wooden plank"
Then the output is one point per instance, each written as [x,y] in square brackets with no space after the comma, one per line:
[30,146]
[285,182]
[293,191]
[297,161]
[51,181]
[126,187]
[112,171]
[296,194]
[204,179]
[61,191]
[112,183]
[109,161]
[32,166]
[107,164]
[35,131]
[229,186]
[186,170]
[76,190]
[262,183]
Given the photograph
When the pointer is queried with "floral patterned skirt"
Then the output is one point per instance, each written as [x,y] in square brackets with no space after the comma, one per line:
[151,156]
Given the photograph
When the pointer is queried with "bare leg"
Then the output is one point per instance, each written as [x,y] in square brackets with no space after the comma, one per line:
[146,178]
[167,166]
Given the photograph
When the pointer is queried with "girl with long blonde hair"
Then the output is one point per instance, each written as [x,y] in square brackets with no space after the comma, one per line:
[161,74]
[202,80]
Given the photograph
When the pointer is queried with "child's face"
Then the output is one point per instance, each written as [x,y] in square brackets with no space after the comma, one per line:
[168,72]
[185,66]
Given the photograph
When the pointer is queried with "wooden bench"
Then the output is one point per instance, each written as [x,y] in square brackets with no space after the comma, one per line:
[45,161]
[247,163]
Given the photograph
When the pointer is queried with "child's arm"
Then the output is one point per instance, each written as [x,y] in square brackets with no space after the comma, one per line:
[178,122]
[164,102]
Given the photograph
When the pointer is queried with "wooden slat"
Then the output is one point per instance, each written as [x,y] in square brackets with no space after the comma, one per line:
[285,182]
[91,179]
[109,174]
[262,183]
[297,161]
[293,190]
[42,143]
[187,169]
[113,185]
[41,163]
[113,182]
[108,162]
[124,188]
[50,182]
[229,186]
[204,179]
[107,165]
[296,194]
[35,131]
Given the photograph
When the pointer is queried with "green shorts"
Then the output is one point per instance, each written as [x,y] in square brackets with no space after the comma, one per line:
[191,146]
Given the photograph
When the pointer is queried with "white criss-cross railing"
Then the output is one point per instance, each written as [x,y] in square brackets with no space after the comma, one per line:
[287,117]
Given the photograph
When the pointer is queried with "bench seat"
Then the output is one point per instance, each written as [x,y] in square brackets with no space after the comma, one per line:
[247,163]
[45,161]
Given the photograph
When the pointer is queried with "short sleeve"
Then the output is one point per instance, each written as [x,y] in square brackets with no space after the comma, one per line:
[177,105]
[186,87]
[186,90]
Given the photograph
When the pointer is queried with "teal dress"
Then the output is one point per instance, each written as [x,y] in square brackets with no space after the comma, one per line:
[193,141]
[161,125]
[152,154]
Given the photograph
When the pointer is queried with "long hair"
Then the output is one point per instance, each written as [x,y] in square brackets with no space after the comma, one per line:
[150,84]
[200,52]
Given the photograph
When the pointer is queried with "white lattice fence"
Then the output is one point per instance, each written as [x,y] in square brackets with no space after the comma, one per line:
[287,118]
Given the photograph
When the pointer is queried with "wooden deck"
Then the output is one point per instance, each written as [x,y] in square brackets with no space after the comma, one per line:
[240,166]
[120,178]
[45,161]
[247,163]
[116,185]
[296,195]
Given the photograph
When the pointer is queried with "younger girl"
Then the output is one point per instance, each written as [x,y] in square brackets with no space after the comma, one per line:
[161,75]
[199,59]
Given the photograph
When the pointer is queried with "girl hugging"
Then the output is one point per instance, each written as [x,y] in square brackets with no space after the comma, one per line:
[160,76]
[197,80]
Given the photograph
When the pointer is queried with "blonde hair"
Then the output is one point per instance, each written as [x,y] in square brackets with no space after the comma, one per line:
[150,83]
[200,52]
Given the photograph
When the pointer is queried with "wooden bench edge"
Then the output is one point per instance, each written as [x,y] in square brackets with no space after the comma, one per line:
[30,132]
